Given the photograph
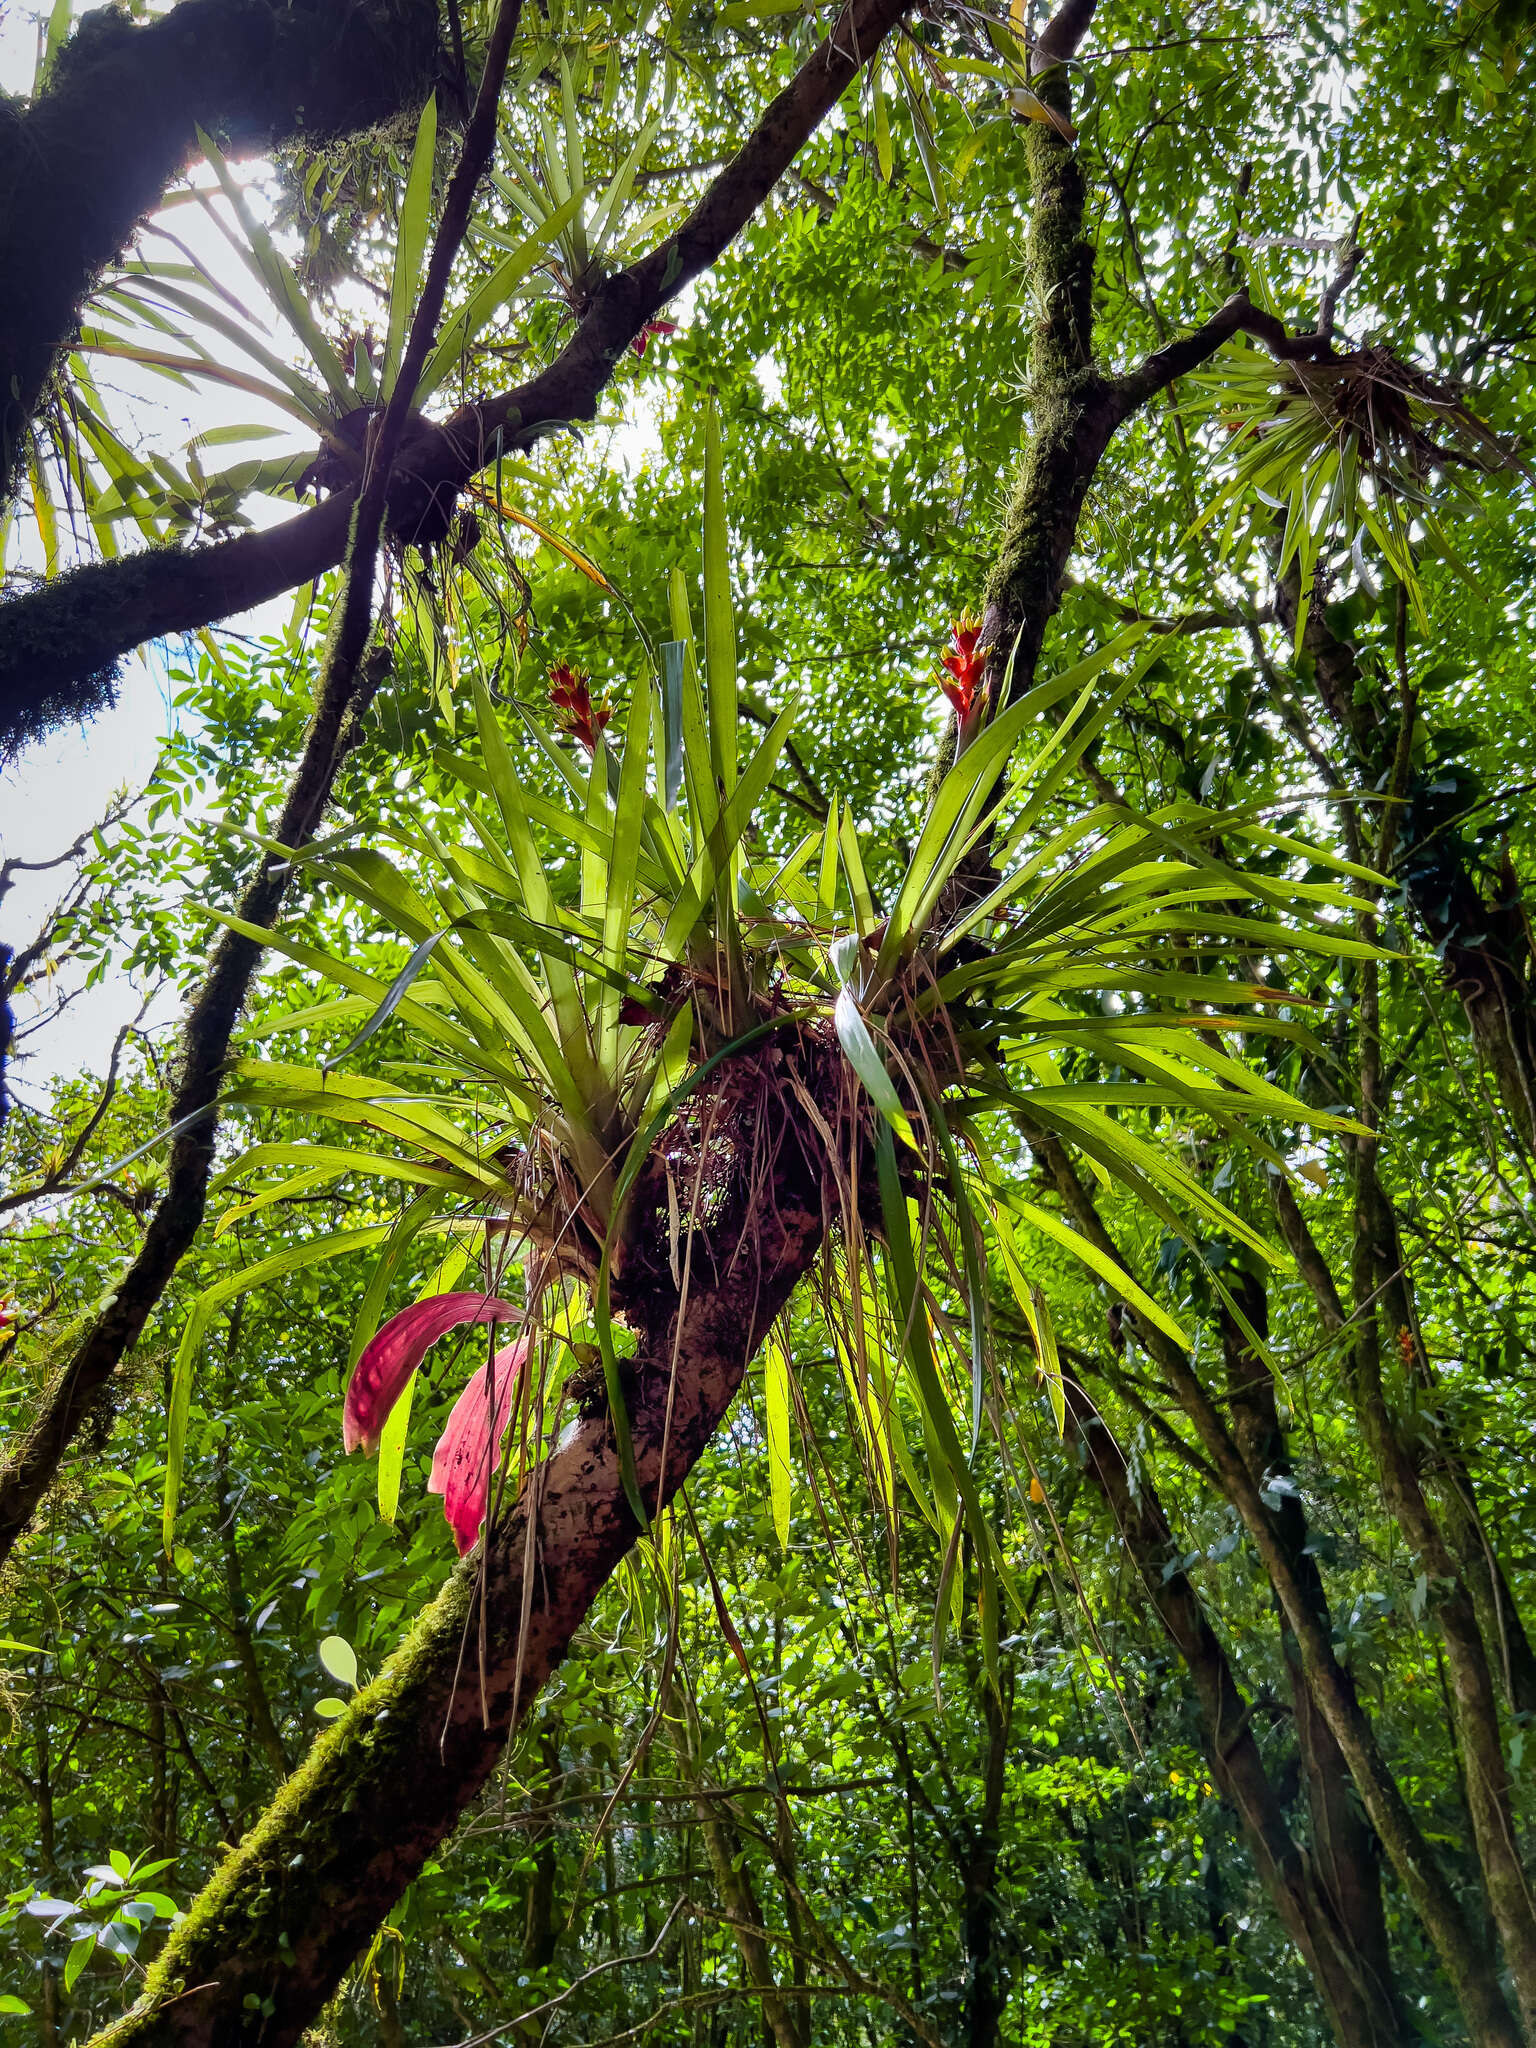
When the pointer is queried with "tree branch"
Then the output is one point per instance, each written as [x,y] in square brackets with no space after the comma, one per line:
[59,644]
[119,119]
[284,1916]
[1238,315]
[350,677]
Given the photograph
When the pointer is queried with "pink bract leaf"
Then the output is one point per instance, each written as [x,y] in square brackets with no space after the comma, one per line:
[469,1449]
[379,1376]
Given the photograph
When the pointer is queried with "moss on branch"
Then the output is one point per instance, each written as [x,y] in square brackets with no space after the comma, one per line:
[93,153]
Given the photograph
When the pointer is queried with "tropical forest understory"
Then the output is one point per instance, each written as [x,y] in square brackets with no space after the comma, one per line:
[801,1310]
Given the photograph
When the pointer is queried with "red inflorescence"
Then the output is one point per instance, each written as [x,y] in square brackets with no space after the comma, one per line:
[385,1365]
[662,327]
[570,692]
[962,685]
[468,1453]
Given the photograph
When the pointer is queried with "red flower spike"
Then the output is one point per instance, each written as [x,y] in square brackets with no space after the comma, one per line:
[651,327]
[381,1372]
[962,686]
[469,1449]
[570,692]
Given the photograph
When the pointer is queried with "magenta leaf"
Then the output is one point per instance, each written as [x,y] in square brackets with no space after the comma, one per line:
[380,1374]
[469,1449]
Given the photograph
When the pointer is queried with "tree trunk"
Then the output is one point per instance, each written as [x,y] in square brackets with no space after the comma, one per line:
[986,1991]
[90,1353]
[1378,1273]
[1348,1963]
[285,1915]
[1345,1854]
[60,644]
[1490,2023]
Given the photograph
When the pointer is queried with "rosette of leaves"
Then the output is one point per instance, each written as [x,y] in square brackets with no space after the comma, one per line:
[1358,446]
[591,977]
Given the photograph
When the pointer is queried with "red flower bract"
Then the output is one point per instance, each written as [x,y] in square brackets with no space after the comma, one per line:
[652,327]
[469,1449]
[381,1372]
[570,692]
[963,683]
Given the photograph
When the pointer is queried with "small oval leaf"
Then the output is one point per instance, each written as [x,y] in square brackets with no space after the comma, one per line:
[340,1659]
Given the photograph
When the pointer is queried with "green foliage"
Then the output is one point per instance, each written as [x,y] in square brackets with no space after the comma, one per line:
[895,1597]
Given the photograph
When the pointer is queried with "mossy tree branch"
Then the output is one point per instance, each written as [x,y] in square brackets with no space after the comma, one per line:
[267,1943]
[117,122]
[59,645]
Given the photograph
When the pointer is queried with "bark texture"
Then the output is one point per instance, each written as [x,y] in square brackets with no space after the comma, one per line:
[266,1944]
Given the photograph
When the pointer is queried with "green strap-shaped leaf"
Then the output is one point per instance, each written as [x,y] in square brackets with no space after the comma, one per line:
[908,1307]
[719,617]
[776,1414]
[488,298]
[394,995]
[970,1256]
[863,1056]
[282,287]
[673,655]
[410,243]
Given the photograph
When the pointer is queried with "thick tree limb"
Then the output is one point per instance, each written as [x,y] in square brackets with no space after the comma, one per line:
[58,643]
[117,122]
[287,1912]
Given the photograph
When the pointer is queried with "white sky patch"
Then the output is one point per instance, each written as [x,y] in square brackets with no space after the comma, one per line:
[20,29]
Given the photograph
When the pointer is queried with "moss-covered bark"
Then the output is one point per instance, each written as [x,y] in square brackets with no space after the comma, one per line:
[1072,407]
[92,154]
[266,1944]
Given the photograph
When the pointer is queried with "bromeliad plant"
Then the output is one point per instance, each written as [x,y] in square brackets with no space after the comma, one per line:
[169,312]
[596,982]
[1343,450]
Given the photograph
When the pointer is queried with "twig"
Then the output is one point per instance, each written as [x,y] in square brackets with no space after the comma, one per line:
[62,1172]
[550,2005]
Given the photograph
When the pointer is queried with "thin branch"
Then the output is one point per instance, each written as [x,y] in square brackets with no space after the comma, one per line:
[1238,315]
[59,1177]
[115,814]
[350,677]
